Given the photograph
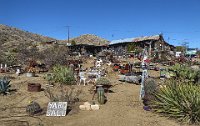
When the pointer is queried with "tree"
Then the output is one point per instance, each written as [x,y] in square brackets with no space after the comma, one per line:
[180,48]
[73,42]
[131,47]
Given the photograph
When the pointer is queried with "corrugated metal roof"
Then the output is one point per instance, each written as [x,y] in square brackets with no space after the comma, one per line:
[138,39]
[155,37]
[121,40]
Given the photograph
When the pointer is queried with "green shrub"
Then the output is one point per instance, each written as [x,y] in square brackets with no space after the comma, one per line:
[186,73]
[102,81]
[63,75]
[180,101]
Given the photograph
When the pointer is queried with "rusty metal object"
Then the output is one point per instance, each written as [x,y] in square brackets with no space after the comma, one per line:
[34,87]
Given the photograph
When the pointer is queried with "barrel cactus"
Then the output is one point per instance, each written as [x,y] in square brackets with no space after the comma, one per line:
[33,108]
[101,96]
[4,85]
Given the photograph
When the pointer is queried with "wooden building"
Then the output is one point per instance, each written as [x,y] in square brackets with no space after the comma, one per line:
[154,43]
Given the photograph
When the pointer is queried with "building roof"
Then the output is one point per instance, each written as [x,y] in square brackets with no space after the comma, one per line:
[138,39]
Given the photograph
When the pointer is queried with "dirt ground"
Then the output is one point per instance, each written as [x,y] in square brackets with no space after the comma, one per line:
[123,107]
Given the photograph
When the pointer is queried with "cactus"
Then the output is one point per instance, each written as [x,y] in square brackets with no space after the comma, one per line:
[4,85]
[101,96]
[33,108]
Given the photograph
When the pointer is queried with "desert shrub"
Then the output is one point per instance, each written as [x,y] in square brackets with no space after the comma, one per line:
[9,58]
[179,100]
[186,73]
[102,81]
[73,42]
[66,94]
[55,55]
[150,88]
[63,75]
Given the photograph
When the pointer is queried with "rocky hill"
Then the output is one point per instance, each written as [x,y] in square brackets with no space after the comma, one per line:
[10,36]
[90,40]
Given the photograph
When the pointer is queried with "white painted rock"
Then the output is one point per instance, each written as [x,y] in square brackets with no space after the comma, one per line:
[87,103]
[95,107]
[82,107]
[87,107]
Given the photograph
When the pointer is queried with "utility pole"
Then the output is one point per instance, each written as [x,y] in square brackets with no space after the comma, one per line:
[67,33]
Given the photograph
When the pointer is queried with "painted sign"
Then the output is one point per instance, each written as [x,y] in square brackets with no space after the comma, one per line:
[56,109]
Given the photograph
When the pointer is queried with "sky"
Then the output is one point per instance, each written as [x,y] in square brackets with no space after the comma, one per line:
[177,20]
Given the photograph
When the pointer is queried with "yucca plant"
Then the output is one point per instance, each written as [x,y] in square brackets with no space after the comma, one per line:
[63,75]
[181,101]
[4,85]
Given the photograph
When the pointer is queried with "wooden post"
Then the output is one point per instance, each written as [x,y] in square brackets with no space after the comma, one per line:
[144,75]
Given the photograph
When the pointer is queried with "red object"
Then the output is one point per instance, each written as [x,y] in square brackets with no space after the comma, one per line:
[116,67]
[126,67]
[123,71]
[147,61]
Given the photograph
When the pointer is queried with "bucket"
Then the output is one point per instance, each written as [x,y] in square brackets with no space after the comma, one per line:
[34,87]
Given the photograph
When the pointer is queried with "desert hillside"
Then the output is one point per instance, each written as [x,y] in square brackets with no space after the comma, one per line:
[90,40]
[10,36]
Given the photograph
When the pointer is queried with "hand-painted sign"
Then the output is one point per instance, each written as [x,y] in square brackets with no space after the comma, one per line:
[56,109]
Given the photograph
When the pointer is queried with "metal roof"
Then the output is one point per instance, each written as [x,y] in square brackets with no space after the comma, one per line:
[138,39]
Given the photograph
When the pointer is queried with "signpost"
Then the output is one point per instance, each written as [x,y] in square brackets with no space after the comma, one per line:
[56,109]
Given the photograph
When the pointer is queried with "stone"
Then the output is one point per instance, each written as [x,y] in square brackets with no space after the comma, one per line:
[82,107]
[87,103]
[87,107]
[95,107]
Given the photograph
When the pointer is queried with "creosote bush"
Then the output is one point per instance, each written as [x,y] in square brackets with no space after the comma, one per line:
[179,100]
[66,94]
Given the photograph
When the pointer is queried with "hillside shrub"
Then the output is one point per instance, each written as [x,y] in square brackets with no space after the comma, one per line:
[55,55]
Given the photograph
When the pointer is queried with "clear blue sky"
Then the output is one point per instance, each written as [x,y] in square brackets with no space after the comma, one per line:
[178,20]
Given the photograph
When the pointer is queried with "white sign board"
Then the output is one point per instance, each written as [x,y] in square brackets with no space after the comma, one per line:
[56,109]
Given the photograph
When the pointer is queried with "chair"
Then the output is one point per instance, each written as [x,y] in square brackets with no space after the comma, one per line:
[82,78]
